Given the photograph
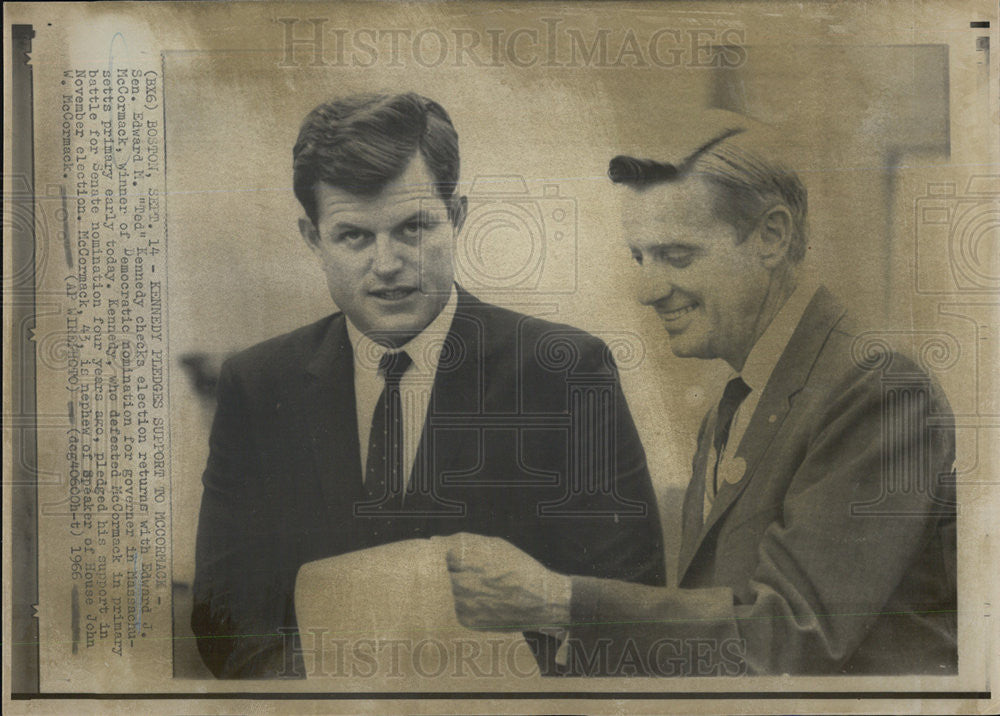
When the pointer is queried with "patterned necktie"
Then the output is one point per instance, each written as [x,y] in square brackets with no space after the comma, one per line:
[384,468]
[735,393]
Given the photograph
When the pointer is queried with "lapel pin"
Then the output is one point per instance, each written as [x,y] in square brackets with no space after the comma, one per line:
[734,470]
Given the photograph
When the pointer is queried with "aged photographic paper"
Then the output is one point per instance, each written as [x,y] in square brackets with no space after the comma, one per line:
[501,356]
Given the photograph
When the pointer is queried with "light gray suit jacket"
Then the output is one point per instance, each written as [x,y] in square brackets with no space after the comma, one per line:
[832,552]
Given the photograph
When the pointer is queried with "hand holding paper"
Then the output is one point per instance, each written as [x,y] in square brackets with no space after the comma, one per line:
[498,587]
[388,611]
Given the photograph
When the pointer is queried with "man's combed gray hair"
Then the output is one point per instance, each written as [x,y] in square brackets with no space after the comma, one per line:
[747,178]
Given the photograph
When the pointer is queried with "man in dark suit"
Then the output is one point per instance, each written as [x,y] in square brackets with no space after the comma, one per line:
[416,411]
[819,523]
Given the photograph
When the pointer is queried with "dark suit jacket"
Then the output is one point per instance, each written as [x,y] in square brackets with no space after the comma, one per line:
[832,552]
[528,437]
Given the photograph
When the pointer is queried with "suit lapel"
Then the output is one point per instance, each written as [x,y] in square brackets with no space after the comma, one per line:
[331,417]
[694,497]
[459,384]
[787,378]
[457,390]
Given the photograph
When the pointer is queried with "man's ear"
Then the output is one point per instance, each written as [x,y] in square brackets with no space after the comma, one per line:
[459,210]
[775,231]
[309,233]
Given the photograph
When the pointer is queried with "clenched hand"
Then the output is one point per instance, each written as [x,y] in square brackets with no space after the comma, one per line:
[497,587]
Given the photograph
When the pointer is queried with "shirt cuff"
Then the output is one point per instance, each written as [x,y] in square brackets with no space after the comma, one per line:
[561,634]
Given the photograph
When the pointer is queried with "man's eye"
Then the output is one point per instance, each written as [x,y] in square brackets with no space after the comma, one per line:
[414,227]
[678,258]
[351,235]
[637,257]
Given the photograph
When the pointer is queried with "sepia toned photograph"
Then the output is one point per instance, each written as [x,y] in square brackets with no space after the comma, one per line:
[501,357]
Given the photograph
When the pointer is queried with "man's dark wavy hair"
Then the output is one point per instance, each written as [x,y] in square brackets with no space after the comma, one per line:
[745,182]
[362,142]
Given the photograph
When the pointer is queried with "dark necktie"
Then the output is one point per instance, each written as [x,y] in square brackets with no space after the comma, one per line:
[735,393]
[384,469]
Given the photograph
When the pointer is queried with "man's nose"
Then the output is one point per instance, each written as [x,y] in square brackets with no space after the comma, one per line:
[651,285]
[386,259]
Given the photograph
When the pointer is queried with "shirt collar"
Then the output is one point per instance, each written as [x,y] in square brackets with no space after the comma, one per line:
[424,348]
[766,352]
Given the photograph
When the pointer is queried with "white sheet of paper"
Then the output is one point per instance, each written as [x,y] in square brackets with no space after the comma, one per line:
[390,608]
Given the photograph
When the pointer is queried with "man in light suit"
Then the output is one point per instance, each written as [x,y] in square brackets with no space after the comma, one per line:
[417,410]
[818,528]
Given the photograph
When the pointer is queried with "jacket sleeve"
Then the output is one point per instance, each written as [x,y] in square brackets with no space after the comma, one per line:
[236,620]
[824,571]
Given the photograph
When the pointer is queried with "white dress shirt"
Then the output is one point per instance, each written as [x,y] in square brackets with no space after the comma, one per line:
[757,369]
[415,386]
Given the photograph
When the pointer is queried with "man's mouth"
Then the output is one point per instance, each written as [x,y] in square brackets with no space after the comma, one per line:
[677,312]
[392,294]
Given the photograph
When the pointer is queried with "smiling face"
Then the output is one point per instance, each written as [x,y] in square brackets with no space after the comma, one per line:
[388,258]
[708,289]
